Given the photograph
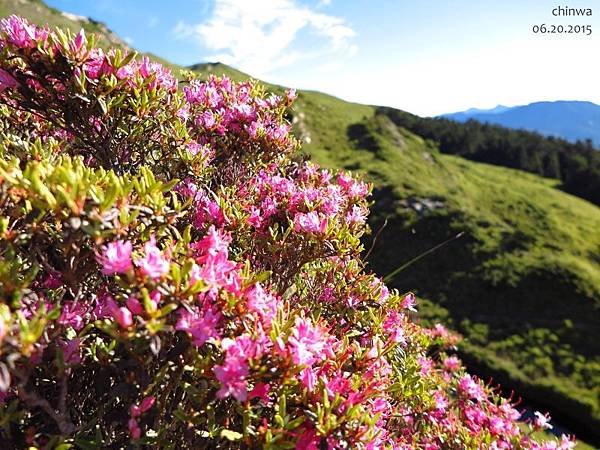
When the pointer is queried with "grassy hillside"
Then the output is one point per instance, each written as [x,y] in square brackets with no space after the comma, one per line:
[577,165]
[219,69]
[522,284]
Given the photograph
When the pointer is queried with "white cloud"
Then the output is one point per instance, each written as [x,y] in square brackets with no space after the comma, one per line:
[510,73]
[152,22]
[263,35]
[329,67]
[128,39]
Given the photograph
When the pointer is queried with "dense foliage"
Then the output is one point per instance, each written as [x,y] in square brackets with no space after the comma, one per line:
[577,165]
[172,276]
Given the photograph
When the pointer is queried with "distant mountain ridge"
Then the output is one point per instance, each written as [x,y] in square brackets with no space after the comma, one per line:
[570,120]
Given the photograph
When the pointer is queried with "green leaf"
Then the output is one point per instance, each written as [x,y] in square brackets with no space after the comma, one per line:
[231,435]
[168,309]
[54,314]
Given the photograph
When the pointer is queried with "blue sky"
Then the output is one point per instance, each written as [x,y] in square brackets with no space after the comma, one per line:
[424,56]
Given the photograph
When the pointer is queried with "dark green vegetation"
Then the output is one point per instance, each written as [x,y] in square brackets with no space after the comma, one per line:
[523,283]
[576,165]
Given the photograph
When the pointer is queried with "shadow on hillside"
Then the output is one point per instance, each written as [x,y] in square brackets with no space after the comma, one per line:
[455,276]
[361,137]
[457,279]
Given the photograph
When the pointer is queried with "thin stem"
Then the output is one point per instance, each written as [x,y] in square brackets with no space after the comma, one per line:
[391,275]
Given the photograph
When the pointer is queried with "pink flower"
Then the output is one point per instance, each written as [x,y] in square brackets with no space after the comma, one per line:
[79,42]
[345,180]
[310,223]
[308,378]
[71,351]
[441,402]
[52,281]
[7,81]
[201,326]
[409,302]
[194,149]
[496,425]
[452,364]
[393,327]
[542,421]
[255,219]
[308,440]
[277,133]
[291,95]
[328,295]
[187,188]
[352,187]
[72,315]
[155,299]
[19,32]
[123,317]
[260,390]
[153,263]
[380,406]
[232,376]
[102,309]
[307,343]
[475,417]
[207,120]
[145,67]
[159,75]
[439,330]
[384,294]
[356,215]
[233,372]
[208,211]
[184,112]
[567,443]
[254,129]
[115,257]
[134,429]
[219,272]
[215,241]
[426,365]
[97,64]
[263,303]
[471,388]
[146,403]
[127,71]
[120,313]
[134,305]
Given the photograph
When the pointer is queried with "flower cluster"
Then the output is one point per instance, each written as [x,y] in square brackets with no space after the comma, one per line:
[171,276]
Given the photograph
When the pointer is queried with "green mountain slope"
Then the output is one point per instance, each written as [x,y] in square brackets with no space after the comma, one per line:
[523,282]
[219,69]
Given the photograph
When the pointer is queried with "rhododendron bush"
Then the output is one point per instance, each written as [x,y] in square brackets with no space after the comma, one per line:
[172,275]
